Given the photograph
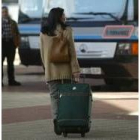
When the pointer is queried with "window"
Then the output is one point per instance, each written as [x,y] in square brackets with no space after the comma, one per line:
[9,1]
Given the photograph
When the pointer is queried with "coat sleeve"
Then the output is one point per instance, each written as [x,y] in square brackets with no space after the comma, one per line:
[16,34]
[16,28]
[74,62]
[41,48]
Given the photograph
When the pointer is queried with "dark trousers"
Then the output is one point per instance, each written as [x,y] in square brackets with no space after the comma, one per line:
[8,51]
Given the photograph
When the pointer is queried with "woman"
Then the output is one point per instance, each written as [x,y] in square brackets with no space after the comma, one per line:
[57,73]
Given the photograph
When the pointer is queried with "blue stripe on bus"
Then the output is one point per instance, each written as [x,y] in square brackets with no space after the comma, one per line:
[36,30]
[100,37]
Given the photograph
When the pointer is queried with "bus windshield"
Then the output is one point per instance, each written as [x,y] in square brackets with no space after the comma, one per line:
[74,8]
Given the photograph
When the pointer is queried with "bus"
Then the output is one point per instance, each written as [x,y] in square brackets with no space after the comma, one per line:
[113,58]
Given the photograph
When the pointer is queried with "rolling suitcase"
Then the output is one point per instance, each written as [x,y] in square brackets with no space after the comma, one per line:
[74,111]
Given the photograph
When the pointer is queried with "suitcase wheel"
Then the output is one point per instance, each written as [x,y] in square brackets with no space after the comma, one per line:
[64,134]
[82,134]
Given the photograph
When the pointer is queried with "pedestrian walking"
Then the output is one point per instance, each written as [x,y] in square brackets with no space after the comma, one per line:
[58,55]
[10,41]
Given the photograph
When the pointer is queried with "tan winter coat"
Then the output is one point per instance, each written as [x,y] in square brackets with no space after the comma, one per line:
[58,71]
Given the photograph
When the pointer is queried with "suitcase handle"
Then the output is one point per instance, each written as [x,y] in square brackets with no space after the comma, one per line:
[83,76]
[73,79]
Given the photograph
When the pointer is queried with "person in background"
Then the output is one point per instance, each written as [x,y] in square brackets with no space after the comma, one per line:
[58,73]
[10,41]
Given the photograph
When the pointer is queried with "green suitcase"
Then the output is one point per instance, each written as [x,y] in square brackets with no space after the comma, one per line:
[74,111]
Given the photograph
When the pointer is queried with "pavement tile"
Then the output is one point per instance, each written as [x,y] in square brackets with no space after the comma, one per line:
[101,129]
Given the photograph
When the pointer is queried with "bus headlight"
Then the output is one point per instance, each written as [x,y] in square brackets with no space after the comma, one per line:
[24,42]
[124,49]
[24,39]
[127,49]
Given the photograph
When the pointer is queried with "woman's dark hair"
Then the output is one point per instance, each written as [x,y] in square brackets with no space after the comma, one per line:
[54,18]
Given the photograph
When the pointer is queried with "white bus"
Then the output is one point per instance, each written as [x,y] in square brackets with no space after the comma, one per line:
[114,59]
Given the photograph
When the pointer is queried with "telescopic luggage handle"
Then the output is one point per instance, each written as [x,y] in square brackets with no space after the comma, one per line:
[76,81]
[83,76]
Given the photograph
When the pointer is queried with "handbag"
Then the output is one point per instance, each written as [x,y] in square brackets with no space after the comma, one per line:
[59,51]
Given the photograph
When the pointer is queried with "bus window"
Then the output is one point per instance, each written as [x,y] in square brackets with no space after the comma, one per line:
[32,8]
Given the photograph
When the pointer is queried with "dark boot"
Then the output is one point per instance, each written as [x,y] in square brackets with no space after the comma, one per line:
[14,83]
[56,129]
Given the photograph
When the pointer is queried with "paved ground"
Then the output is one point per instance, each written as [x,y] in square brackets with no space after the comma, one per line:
[27,111]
